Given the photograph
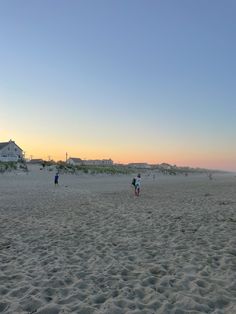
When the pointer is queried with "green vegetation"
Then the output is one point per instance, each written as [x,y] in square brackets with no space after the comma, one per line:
[174,170]
[48,163]
[66,168]
[13,165]
[7,166]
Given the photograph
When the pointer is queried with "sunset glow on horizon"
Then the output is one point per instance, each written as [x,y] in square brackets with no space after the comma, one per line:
[134,81]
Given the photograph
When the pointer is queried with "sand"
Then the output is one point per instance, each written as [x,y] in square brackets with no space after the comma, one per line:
[90,246]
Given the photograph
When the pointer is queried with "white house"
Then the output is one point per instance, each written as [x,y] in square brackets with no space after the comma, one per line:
[92,162]
[166,166]
[74,161]
[98,162]
[9,151]
[141,165]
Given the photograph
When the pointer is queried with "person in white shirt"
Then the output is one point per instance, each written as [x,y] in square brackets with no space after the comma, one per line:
[137,184]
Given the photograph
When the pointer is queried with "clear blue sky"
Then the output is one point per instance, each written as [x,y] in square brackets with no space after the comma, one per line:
[132,80]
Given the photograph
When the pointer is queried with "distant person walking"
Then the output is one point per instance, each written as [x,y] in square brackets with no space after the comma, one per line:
[137,185]
[210,176]
[56,178]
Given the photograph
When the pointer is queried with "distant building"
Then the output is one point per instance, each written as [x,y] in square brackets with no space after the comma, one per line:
[140,165]
[74,161]
[35,161]
[166,166]
[97,162]
[10,151]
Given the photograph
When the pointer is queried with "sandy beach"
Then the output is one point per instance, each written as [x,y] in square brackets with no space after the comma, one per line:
[90,246]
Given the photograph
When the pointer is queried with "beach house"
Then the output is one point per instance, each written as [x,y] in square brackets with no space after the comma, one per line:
[140,165]
[89,162]
[10,151]
[36,161]
[98,162]
[74,161]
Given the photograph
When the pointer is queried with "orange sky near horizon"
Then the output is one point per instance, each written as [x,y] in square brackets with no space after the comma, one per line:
[56,149]
[42,137]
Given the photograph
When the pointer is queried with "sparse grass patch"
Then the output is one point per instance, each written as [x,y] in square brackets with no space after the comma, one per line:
[8,166]
[67,168]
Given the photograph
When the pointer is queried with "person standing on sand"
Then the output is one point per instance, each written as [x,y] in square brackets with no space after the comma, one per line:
[56,178]
[137,184]
[210,176]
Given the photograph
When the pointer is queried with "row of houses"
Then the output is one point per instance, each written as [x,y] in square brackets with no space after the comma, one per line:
[92,162]
[10,151]
[79,162]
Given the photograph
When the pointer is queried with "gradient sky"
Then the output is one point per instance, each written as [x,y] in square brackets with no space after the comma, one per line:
[131,80]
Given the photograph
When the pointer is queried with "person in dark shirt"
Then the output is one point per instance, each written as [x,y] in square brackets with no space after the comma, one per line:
[56,178]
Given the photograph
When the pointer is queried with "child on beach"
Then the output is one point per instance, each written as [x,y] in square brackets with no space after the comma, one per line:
[56,178]
[137,185]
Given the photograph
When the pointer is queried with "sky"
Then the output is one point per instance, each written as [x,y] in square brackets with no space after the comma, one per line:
[131,80]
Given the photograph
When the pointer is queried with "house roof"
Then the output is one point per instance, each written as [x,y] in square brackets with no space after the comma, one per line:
[36,160]
[75,159]
[164,164]
[3,144]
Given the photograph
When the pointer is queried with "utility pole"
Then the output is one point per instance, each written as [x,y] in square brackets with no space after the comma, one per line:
[66,157]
